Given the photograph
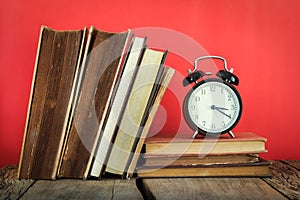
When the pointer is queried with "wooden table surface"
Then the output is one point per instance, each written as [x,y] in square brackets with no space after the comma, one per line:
[285,184]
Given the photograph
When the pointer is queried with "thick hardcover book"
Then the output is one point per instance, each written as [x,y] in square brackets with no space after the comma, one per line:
[167,76]
[243,143]
[254,169]
[133,60]
[189,160]
[102,69]
[50,100]
[145,84]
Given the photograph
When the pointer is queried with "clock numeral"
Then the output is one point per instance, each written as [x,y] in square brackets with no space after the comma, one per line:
[193,107]
[222,90]
[213,126]
[223,124]
[197,98]
[212,88]
[196,116]
[203,123]
[233,107]
[203,91]
[229,97]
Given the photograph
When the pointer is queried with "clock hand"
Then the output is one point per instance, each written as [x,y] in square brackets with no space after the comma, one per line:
[213,107]
[223,113]
[220,108]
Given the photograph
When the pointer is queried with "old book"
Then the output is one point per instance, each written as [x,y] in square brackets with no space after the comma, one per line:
[193,160]
[243,143]
[75,92]
[103,66]
[50,99]
[255,169]
[167,76]
[133,60]
[135,113]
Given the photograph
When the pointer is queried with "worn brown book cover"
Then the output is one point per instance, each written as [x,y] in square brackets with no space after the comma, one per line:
[243,143]
[193,160]
[252,169]
[102,68]
[132,62]
[49,105]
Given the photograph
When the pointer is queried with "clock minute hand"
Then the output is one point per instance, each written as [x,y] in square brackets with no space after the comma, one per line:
[219,110]
[223,113]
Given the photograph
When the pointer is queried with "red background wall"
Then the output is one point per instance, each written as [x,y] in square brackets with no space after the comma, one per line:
[260,38]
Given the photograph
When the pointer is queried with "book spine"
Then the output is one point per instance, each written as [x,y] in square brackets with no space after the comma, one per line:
[118,72]
[30,100]
[168,74]
[133,113]
[102,68]
[72,103]
[49,108]
[78,84]
[150,103]
[117,108]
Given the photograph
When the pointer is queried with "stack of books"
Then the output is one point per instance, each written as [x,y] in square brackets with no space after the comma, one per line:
[204,157]
[93,97]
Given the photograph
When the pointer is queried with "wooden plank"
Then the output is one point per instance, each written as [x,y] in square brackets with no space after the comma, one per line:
[294,163]
[208,188]
[286,179]
[79,189]
[10,186]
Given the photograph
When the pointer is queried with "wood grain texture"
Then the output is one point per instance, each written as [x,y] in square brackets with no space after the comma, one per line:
[208,188]
[78,189]
[10,186]
[97,84]
[49,105]
[294,163]
[286,178]
[174,188]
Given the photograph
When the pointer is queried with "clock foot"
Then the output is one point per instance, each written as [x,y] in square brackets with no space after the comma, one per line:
[195,134]
[231,134]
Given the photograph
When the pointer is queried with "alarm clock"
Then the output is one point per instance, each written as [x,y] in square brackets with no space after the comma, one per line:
[213,106]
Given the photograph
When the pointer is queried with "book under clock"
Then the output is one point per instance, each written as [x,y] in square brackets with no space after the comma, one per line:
[181,156]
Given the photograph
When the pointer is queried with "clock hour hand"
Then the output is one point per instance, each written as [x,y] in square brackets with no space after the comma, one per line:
[220,108]
[213,107]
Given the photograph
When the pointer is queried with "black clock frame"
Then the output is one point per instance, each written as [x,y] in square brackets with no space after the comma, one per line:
[186,114]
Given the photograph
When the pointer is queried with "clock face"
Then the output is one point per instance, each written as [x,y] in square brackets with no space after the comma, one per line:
[213,106]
